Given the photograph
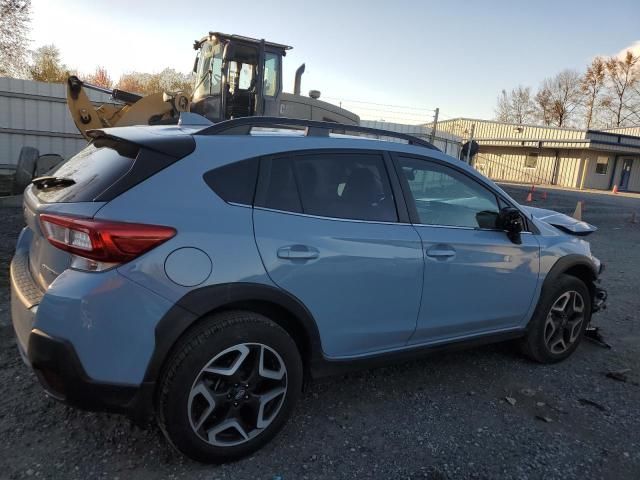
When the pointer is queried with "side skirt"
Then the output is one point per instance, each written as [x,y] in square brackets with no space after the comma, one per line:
[326,367]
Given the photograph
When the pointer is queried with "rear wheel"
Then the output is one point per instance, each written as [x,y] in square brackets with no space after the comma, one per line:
[559,322]
[229,387]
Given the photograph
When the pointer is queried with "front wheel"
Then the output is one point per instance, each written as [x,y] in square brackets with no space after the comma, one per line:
[559,322]
[229,387]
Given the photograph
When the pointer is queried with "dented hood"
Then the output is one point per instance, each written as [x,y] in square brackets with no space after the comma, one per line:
[560,220]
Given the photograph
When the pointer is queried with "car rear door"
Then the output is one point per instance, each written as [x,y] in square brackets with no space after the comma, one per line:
[476,280]
[328,231]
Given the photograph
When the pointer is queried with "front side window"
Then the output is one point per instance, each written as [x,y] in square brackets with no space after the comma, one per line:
[271,68]
[339,185]
[446,197]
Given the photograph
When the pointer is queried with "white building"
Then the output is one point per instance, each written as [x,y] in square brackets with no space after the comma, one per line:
[599,159]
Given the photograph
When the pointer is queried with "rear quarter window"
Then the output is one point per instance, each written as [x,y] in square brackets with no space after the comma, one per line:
[93,170]
[236,182]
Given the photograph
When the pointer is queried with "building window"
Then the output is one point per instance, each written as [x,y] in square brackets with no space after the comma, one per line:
[602,165]
[531,161]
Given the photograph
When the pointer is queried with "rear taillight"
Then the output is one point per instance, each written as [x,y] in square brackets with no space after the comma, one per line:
[101,243]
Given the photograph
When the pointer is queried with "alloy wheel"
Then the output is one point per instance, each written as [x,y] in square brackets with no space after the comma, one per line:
[237,394]
[564,322]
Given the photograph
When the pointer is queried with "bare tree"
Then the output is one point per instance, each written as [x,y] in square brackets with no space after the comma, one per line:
[100,78]
[564,97]
[622,79]
[516,106]
[503,107]
[543,104]
[47,66]
[14,28]
[591,85]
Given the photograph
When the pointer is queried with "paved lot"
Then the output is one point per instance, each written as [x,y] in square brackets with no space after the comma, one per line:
[440,417]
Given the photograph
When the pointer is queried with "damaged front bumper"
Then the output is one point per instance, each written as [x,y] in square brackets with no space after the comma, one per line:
[599,299]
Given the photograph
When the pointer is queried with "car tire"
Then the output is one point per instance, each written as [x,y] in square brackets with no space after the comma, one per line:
[229,386]
[559,321]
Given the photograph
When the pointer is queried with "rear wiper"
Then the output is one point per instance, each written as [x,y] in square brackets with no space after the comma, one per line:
[49,182]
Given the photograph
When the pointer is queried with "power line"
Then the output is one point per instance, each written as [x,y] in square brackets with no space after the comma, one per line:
[371,109]
[346,100]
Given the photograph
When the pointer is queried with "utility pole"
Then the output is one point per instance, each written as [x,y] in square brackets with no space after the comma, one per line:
[435,125]
[468,159]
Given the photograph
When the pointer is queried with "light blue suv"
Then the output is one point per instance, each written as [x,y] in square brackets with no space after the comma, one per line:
[199,273]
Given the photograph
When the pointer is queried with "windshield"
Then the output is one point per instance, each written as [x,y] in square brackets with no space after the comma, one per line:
[209,69]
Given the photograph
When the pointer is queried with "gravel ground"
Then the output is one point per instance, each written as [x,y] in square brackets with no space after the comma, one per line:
[445,416]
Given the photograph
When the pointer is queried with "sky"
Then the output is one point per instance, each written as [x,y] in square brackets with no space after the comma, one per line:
[409,55]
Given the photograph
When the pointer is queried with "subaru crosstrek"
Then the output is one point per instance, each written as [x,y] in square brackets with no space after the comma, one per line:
[199,273]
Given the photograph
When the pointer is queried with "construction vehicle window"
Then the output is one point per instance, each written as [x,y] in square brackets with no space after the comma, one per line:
[243,79]
[209,69]
[446,197]
[271,69]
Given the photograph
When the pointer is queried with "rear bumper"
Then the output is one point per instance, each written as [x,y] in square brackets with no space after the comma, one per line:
[60,372]
[88,338]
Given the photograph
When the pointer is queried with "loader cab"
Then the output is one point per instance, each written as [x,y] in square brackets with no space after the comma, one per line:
[236,77]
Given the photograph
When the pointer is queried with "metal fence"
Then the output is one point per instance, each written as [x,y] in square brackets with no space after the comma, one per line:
[35,114]
[448,143]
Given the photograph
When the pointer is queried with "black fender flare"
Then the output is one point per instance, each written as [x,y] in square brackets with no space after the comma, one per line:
[201,301]
[568,262]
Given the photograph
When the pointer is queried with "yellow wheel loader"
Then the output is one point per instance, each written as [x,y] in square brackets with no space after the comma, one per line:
[235,76]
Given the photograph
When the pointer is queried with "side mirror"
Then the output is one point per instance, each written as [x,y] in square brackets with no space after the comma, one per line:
[510,220]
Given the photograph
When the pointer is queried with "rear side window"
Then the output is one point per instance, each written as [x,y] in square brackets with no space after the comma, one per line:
[89,173]
[277,188]
[340,185]
[236,182]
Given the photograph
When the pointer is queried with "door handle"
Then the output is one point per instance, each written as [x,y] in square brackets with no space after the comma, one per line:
[296,252]
[441,252]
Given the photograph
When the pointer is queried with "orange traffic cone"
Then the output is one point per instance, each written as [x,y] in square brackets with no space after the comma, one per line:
[577,214]
[529,198]
[615,189]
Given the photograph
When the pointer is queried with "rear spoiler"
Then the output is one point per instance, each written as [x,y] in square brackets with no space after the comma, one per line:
[170,141]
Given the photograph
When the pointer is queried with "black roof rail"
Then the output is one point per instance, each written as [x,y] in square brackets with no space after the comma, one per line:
[312,128]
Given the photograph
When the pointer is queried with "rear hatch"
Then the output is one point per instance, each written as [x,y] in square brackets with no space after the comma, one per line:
[115,161]
[72,190]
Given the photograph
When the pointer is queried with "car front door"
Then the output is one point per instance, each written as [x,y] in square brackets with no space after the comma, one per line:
[476,280]
[328,231]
